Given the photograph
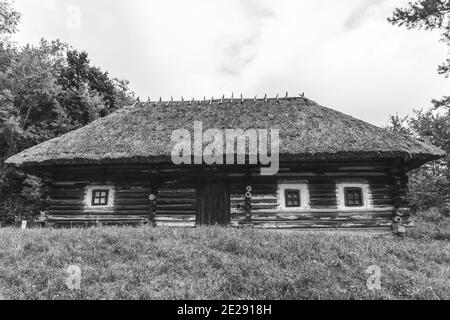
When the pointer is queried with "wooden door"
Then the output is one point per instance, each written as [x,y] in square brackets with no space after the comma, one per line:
[213,203]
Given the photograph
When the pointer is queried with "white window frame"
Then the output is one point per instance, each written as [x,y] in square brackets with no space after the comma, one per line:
[304,196]
[88,198]
[367,201]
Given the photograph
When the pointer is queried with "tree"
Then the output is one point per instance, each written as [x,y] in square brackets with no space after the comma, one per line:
[9,18]
[45,91]
[428,15]
[430,185]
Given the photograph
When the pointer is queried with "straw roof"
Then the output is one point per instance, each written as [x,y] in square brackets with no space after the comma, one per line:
[142,133]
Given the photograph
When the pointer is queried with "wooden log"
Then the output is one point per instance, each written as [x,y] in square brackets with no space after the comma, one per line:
[66,202]
[175,212]
[316,216]
[190,217]
[170,201]
[127,202]
[322,224]
[96,217]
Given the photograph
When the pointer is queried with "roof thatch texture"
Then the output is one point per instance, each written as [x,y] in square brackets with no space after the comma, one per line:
[142,133]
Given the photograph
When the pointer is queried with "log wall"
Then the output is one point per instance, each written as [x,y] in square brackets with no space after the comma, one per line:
[176,205]
[323,211]
[176,202]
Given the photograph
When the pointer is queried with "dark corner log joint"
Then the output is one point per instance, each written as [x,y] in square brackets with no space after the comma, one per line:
[248,205]
[399,195]
[46,182]
[152,205]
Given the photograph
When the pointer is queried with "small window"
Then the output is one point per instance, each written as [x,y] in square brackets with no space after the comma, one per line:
[353,197]
[292,198]
[100,197]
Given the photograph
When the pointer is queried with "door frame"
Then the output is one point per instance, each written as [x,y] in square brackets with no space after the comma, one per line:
[213,202]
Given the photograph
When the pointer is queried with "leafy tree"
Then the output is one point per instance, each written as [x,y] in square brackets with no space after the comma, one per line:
[45,91]
[9,18]
[429,185]
[428,15]
[399,124]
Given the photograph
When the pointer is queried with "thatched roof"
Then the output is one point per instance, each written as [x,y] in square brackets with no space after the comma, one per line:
[142,133]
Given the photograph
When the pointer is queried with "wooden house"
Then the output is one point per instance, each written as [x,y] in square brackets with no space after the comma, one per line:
[335,171]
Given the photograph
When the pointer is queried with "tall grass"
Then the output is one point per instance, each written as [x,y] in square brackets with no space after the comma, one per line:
[218,263]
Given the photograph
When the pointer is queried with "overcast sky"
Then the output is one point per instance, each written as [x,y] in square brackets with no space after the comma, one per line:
[342,54]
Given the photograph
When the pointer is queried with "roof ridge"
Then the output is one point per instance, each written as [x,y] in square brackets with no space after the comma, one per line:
[222,99]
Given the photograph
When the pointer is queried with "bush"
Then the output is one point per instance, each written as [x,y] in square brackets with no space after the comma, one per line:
[431,215]
[435,228]
[427,190]
[20,196]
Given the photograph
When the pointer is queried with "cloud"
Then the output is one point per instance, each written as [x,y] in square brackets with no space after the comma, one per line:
[368,11]
[343,54]
[364,12]
[239,49]
[237,54]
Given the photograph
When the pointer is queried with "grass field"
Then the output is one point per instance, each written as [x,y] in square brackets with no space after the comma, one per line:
[219,263]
